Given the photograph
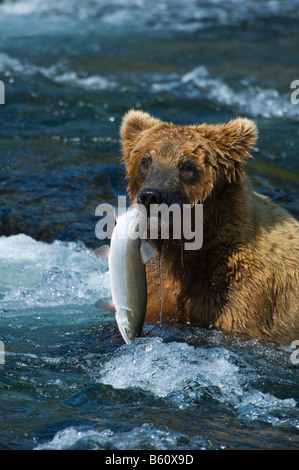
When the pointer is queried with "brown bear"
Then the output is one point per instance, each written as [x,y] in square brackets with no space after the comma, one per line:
[244,278]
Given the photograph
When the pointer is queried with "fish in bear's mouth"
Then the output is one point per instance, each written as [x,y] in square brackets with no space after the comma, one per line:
[163,212]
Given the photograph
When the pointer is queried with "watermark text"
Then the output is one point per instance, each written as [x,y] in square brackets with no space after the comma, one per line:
[2,92]
[178,222]
[295,355]
[2,353]
[295,94]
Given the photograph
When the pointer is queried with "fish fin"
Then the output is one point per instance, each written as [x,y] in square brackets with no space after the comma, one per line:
[105,304]
[146,251]
[102,251]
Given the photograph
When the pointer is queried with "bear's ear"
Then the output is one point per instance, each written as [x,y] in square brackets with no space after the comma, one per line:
[234,139]
[133,123]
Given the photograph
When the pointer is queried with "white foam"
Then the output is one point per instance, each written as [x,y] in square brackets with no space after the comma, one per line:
[165,368]
[145,436]
[56,73]
[93,82]
[258,405]
[181,374]
[167,13]
[23,7]
[252,100]
[39,274]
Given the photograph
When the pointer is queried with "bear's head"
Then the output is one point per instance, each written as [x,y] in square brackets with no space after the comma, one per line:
[168,163]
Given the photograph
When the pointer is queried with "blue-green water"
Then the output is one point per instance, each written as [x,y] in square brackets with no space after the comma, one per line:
[71,69]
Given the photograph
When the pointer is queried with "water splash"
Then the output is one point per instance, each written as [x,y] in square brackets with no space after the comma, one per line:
[177,372]
[36,274]
[186,376]
[253,100]
[154,437]
[56,73]
[167,14]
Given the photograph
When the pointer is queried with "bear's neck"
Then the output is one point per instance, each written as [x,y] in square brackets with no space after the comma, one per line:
[225,223]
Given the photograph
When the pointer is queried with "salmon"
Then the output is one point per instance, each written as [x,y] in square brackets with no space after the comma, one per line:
[127,257]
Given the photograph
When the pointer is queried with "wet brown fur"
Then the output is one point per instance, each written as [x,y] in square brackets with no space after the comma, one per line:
[245,277]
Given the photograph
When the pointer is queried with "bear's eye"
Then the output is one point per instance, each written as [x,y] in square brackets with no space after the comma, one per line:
[146,161]
[187,171]
[145,164]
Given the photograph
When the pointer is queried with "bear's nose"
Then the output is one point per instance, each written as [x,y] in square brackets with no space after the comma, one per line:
[148,196]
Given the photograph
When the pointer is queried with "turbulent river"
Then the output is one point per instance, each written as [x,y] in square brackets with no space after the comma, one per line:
[71,69]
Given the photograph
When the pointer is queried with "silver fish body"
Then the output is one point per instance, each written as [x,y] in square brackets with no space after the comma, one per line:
[127,258]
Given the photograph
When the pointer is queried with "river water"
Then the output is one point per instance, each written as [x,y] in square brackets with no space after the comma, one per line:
[71,69]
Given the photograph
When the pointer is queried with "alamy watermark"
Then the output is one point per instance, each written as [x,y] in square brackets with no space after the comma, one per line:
[295,94]
[2,92]
[295,355]
[163,222]
[2,353]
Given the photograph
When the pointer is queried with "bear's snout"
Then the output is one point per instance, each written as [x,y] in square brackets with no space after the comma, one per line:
[148,196]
